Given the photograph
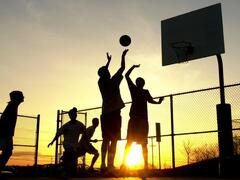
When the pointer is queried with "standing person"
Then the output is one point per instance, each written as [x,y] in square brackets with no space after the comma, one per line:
[85,146]
[112,104]
[7,126]
[70,131]
[138,123]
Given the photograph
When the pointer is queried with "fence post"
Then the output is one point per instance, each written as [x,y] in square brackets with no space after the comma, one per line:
[152,153]
[37,141]
[85,114]
[61,137]
[172,132]
[84,157]
[224,122]
[158,139]
[56,149]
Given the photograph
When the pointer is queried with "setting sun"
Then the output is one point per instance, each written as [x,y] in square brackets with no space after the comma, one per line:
[134,159]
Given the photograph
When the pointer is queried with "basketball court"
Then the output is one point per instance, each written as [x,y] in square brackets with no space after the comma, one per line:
[124,178]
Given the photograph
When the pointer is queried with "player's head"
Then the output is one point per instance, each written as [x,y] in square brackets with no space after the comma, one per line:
[103,72]
[95,122]
[72,113]
[16,96]
[140,82]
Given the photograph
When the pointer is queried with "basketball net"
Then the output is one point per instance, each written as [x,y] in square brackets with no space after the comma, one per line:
[182,50]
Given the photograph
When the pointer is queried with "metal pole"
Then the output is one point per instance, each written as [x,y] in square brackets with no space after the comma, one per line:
[84,157]
[61,140]
[85,114]
[172,132]
[224,122]
[37,141]
[158,139]
[159,156]
[221,79]
[56,148]
[152,153]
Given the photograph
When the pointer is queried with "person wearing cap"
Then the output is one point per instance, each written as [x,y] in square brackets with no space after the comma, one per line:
[112,104]
[8,121]
[70,131]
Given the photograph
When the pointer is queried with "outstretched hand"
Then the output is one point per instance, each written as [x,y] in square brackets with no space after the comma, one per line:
[160,100]
[95,140]
[109,57]
[50,144]
[136,66]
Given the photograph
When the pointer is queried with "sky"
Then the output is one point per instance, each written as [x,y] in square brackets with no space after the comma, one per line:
[51,50]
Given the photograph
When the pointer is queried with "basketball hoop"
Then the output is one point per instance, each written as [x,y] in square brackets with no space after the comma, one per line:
[182,50]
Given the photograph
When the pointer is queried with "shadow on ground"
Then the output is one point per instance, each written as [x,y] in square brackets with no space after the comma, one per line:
[206,168]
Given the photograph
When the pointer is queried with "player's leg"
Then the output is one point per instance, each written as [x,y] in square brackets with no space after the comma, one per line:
[70,161]
[145,155]
[66,161]
[95,153]
[7,147]
[105,136]
[115,134]
[94,159]
[104,150]
[4,157]
[126,152]
[112,152]
[130,138]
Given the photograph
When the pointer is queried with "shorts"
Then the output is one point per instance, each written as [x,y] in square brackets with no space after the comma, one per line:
[81,151]
[137,130]
[6,143]
[111,125]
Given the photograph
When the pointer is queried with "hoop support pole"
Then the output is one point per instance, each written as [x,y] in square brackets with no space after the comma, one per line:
[221,79]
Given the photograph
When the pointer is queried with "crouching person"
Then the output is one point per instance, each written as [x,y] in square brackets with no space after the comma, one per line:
[70,131]
[85,146]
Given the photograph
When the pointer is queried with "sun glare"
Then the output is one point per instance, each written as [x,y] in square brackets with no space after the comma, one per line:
[134,159]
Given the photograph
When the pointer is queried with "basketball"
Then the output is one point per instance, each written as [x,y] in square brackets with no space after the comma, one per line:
[125,40]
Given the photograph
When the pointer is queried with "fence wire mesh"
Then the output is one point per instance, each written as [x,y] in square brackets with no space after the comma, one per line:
[25,152]
[194,127]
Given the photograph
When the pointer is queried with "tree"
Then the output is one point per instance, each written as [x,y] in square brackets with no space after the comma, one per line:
[188,149]
[205,152]
[236,144]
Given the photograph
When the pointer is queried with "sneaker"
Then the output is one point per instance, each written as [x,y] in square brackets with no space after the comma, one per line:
[111,168]
[92,169]
[63,175]
[103,167]
[123,167]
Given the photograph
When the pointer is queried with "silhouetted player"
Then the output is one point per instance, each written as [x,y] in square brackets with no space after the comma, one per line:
[70,131]
[7,126]
[85,146]
[138,123]
[112,104]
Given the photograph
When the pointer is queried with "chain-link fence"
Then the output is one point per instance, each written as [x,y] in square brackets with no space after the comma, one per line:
[188,127]
[26,141]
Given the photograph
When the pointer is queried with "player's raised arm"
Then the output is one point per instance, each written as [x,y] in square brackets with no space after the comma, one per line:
[130,70]
[122,68]
[109,58]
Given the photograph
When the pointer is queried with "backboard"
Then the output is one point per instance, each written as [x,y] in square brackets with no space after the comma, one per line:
[193,35]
